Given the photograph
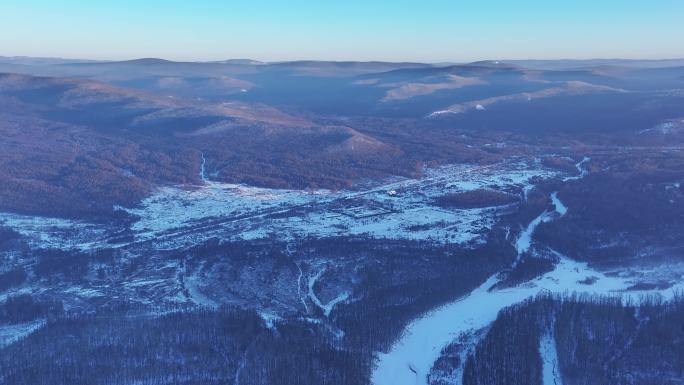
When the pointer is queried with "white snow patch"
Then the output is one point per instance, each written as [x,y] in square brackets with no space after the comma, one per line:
[84,292]
[524,242]
[192,284]
[56,233]
[561,209]
[10,334]
[269,318]
[581,169]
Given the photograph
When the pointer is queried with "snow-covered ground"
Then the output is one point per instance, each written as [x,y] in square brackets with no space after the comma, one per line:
[193,284]
[524,241]
[400,209]
[56,233]
[10,334]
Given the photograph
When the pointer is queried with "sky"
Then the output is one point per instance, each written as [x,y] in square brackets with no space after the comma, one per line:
[396,30]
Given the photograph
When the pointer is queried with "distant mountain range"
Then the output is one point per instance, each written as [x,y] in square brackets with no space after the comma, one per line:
[300,124]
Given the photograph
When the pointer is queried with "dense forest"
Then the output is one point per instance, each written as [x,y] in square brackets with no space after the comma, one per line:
[599,340]
[132,341]
[629,209]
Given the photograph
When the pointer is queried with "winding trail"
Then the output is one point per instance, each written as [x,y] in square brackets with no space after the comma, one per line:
[328,307]
[581,169]
[549,354]
[203,175]
[299,287]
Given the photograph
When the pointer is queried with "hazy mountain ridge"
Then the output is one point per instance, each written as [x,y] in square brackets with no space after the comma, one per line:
[349,119]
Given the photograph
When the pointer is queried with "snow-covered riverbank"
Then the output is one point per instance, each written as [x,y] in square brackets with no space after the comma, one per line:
[411,358]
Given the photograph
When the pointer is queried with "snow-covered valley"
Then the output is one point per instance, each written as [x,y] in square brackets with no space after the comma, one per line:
[175,217]
[181,217]
[155,267]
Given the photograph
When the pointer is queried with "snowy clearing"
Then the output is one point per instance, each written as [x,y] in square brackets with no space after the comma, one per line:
[400,209]
[10,334]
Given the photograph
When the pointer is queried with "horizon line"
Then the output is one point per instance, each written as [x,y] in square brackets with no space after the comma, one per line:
[219,61]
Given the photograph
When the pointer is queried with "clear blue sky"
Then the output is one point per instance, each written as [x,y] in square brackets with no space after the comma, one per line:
[427,30]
